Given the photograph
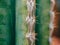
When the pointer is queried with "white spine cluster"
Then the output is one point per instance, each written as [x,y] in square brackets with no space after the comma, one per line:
[52,15]
[30,19]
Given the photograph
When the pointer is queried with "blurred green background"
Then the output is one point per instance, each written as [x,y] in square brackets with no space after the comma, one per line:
[7,22]
[13,26]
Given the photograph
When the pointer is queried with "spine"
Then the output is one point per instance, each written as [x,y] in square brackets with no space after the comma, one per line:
[52,15]
[30,19]
[54,21]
